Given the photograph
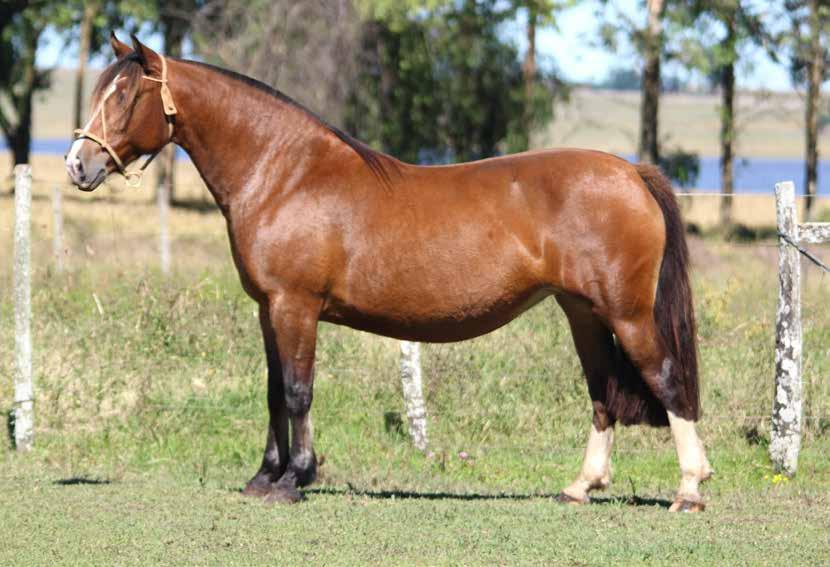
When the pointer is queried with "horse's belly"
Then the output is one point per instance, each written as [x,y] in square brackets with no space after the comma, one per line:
[413,322]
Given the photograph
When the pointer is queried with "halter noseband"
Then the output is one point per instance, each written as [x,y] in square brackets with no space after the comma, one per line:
[169,110]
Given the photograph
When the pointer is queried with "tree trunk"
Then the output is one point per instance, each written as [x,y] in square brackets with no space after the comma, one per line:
[648,150]
[816,75]
[727,124]
[83,56]
[529,74]
[21,139]
[21,142]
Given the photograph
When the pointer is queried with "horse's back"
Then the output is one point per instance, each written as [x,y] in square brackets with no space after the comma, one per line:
[450,252]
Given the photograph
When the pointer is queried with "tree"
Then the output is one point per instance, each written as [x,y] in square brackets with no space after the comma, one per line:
[85,30]
[649,41]
[538,13]
[717,32]
[441,84]
[807,45]
[652,42]
[306,49]
[174,21]
[19,78]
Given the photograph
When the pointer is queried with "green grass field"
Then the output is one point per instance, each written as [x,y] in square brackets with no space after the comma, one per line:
[151,414]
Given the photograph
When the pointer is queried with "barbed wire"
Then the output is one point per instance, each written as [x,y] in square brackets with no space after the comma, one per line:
[804,252]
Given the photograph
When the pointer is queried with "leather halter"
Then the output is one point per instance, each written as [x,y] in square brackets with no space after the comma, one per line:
[169,110]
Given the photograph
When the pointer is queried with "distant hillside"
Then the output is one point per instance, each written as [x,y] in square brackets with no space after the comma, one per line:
[606,120]
[769,125]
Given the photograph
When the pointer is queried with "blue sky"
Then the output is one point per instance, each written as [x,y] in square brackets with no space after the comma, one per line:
[573,47]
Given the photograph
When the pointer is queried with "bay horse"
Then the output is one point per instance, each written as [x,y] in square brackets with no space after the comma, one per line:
[323,228]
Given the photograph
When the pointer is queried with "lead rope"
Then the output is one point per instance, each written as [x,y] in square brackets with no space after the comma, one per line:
[169,109]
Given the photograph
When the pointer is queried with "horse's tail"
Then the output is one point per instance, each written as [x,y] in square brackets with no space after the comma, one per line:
[628,398]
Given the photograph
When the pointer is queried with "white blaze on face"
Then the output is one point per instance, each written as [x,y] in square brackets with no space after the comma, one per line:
[75,149]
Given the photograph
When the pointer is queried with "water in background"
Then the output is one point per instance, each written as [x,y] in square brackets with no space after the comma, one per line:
[759,175]
[752,175]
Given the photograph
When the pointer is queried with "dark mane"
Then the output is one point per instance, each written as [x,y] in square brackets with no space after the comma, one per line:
[381,165]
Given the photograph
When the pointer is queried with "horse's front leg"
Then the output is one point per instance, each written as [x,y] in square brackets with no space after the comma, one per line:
[294,319]
[275,458]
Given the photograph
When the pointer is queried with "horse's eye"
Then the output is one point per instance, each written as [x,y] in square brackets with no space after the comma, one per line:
[120,97]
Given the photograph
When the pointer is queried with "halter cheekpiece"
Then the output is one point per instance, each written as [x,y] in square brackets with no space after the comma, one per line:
[169,110]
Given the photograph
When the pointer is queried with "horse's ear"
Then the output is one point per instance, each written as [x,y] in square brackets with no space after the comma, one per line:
[119,47]
[149,59]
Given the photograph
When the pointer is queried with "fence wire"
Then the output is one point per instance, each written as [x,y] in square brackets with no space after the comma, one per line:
[119,232]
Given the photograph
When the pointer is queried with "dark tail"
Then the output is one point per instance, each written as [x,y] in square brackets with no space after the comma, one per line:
[629,399]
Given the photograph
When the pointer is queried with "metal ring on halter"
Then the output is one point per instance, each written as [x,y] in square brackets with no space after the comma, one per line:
[169,110]
[131,174]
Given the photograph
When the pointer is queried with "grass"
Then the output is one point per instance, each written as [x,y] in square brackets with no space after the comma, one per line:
[151,415]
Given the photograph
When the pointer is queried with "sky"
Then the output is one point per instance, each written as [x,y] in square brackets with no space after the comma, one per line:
[573,47]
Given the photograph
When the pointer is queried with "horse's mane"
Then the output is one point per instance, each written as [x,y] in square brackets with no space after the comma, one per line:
[380,164]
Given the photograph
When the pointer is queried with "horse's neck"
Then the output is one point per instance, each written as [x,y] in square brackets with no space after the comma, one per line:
[239,138]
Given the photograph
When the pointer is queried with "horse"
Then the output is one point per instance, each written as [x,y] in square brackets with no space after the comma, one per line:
[323,228]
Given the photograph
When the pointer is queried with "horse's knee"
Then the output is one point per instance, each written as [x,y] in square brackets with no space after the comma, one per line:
[298,397]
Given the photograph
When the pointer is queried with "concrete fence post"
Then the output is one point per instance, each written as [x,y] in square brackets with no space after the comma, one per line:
[413,394]
[785,437]
[23,389]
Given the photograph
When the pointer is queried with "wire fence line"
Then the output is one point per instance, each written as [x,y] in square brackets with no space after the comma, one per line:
[117,231]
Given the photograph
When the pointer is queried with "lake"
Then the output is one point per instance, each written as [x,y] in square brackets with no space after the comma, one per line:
[752,175]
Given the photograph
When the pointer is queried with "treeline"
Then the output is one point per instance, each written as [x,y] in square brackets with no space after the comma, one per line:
[436,80]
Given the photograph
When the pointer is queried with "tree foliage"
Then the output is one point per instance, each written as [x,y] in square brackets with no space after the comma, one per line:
[438,85]
[306,49]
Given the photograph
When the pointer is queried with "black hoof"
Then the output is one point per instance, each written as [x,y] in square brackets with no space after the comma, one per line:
[563,498]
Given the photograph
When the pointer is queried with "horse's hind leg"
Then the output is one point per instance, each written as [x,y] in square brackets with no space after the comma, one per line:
[638,336]
[595,347]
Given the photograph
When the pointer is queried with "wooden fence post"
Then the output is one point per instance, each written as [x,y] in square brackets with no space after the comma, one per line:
[163,194]
[23,390]
[57,229]
[785,437]
[413,394]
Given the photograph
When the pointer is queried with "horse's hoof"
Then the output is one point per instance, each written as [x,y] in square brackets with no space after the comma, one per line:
[683,505]
[564,498]
[257,487]
[283,495]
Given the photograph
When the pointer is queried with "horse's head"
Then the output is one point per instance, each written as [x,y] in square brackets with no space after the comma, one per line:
[131,114]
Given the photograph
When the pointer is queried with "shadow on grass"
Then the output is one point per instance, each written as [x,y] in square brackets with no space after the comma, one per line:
[631,501]
[81,480]
[407,494]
